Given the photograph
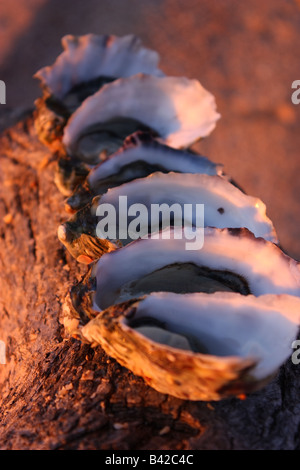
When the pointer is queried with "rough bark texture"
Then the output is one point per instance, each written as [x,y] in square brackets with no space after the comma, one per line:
[57,393]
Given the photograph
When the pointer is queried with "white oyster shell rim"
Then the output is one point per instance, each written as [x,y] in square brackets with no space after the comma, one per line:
[224,204]
[179,109]
[89,56]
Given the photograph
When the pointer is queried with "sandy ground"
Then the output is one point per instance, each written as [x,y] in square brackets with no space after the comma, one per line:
[246,53]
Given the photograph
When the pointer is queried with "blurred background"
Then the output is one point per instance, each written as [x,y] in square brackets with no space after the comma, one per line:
[245,53]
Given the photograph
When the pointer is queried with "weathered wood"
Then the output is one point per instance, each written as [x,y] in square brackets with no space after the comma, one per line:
[57,393]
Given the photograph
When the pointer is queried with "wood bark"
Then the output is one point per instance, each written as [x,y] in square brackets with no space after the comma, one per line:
[57,393]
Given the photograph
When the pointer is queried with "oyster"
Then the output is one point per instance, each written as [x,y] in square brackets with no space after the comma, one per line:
[230,260]
[178,111]
[139,156]
[86,64]
[199,346]
[224,206]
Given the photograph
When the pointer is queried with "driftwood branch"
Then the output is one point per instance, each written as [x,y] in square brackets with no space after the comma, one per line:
[57,393]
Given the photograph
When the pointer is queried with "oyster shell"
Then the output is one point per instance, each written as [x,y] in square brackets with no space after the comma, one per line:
[86,64]
[139,156]
[90,57]
[199,346]
[178,111]
[230,260]
[224,206]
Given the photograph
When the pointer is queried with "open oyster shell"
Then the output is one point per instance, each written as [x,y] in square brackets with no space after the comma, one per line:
[178,111]
[199,346]
[224,206]
[139,156]
[230,260]
[90,57]
[86,64]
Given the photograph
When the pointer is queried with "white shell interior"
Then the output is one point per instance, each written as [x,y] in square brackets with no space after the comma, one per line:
[178,109]
[90,56]
[224,204]
[226,324]
[266,269]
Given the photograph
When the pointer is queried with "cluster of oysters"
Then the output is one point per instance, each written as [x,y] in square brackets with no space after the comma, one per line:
[199,324]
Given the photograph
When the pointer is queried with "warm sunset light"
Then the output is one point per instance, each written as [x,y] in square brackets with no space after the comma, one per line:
[149,227]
